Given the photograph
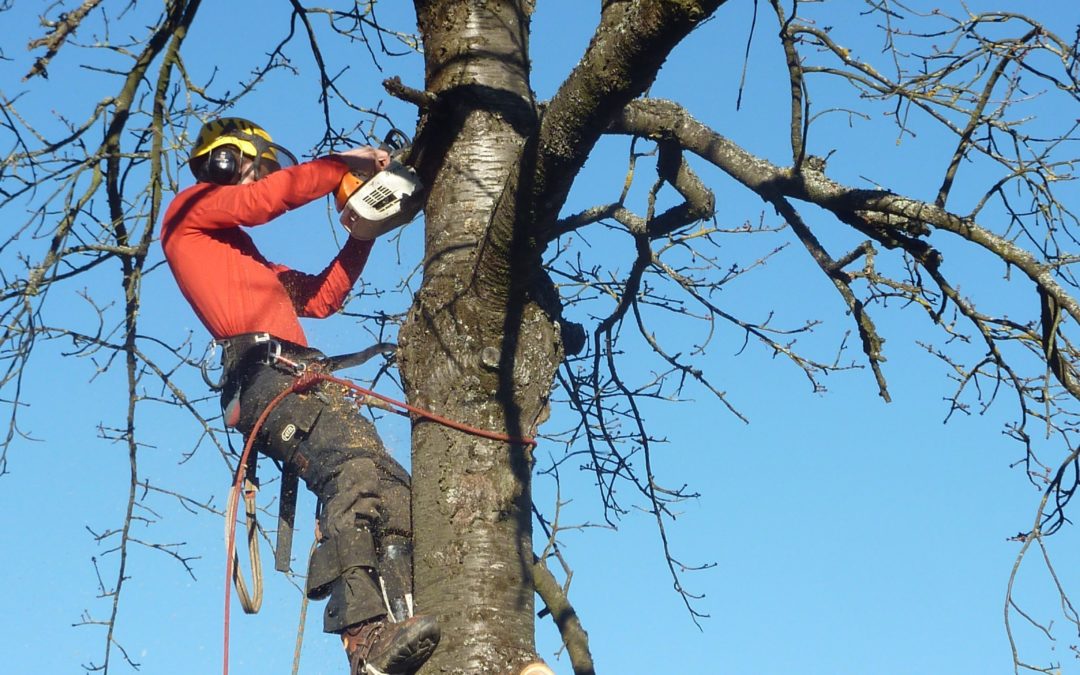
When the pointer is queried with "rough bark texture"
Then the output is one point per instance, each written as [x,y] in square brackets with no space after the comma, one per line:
[482,341]
[473,349]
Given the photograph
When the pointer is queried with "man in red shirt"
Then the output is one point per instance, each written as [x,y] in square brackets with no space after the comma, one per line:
[250,305]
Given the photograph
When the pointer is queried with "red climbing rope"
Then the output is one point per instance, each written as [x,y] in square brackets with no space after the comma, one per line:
[406,409]
[308,377]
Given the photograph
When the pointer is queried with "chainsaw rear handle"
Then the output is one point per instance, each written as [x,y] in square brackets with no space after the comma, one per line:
[396,142]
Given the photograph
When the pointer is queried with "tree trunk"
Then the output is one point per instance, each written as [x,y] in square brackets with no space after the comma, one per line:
[475,348]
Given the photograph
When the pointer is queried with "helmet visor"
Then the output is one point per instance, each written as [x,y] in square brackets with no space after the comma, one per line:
[268,156]
[273,159]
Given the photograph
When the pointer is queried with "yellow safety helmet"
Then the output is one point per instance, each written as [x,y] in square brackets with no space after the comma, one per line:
[232,134]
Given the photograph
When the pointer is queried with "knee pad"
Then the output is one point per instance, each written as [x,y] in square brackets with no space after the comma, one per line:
[353,495]
[348,521]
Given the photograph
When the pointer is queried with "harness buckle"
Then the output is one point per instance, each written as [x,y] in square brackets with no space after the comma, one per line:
[273,348]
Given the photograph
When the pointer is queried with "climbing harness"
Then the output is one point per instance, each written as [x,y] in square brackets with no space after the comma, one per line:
[308,375]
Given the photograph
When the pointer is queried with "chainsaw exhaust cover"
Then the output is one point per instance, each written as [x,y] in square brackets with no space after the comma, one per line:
[390,199]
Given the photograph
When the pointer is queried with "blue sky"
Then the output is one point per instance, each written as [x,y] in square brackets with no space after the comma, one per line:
[848,535]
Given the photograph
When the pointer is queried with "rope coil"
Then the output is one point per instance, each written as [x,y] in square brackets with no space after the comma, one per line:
[251,602]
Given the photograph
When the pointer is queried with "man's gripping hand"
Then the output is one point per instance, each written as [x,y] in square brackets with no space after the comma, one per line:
[366,160]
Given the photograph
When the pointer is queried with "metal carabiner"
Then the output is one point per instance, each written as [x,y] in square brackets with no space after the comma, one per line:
[204,367]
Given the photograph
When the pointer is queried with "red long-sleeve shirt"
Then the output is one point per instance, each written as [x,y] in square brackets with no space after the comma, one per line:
[230,285]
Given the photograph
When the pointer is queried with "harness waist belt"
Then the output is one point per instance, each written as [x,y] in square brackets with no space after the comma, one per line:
[251,348]
[240,348]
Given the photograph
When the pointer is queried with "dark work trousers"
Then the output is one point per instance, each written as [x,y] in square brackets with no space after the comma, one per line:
[363,492]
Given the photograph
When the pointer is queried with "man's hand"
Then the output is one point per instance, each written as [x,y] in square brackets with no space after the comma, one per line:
[365,160]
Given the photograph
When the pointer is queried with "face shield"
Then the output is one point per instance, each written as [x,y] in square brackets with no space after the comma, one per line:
[266,156]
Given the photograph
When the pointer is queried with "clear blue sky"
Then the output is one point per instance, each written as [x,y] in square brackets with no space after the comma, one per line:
[850,536]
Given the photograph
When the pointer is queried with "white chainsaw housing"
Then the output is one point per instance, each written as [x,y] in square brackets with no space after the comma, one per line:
[390,199]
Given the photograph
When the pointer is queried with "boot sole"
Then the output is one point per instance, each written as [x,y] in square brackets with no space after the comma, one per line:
[410,651]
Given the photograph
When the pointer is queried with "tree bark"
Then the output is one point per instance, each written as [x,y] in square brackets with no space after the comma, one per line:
[475,349]
[482,340]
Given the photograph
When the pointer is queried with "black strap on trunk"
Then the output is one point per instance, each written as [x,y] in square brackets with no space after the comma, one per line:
[342,361]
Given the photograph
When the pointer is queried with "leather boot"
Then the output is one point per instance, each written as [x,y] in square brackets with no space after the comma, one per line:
[383,647]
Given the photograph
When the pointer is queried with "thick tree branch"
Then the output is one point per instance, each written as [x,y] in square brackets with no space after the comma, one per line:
[700,202]
[421,99]
[665,120]
[631,43]
[797,85]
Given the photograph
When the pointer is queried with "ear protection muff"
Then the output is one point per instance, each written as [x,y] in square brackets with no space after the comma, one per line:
[222,166]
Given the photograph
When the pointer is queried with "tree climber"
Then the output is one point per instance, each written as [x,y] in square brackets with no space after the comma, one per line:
[250,306]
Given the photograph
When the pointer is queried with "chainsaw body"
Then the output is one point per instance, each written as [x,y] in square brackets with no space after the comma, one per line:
[384,202]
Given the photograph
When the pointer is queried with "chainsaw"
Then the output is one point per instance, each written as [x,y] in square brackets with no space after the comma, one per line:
[371,207]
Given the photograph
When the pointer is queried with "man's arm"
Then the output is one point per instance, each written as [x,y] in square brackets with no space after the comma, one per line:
[259,202]
[320,295]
